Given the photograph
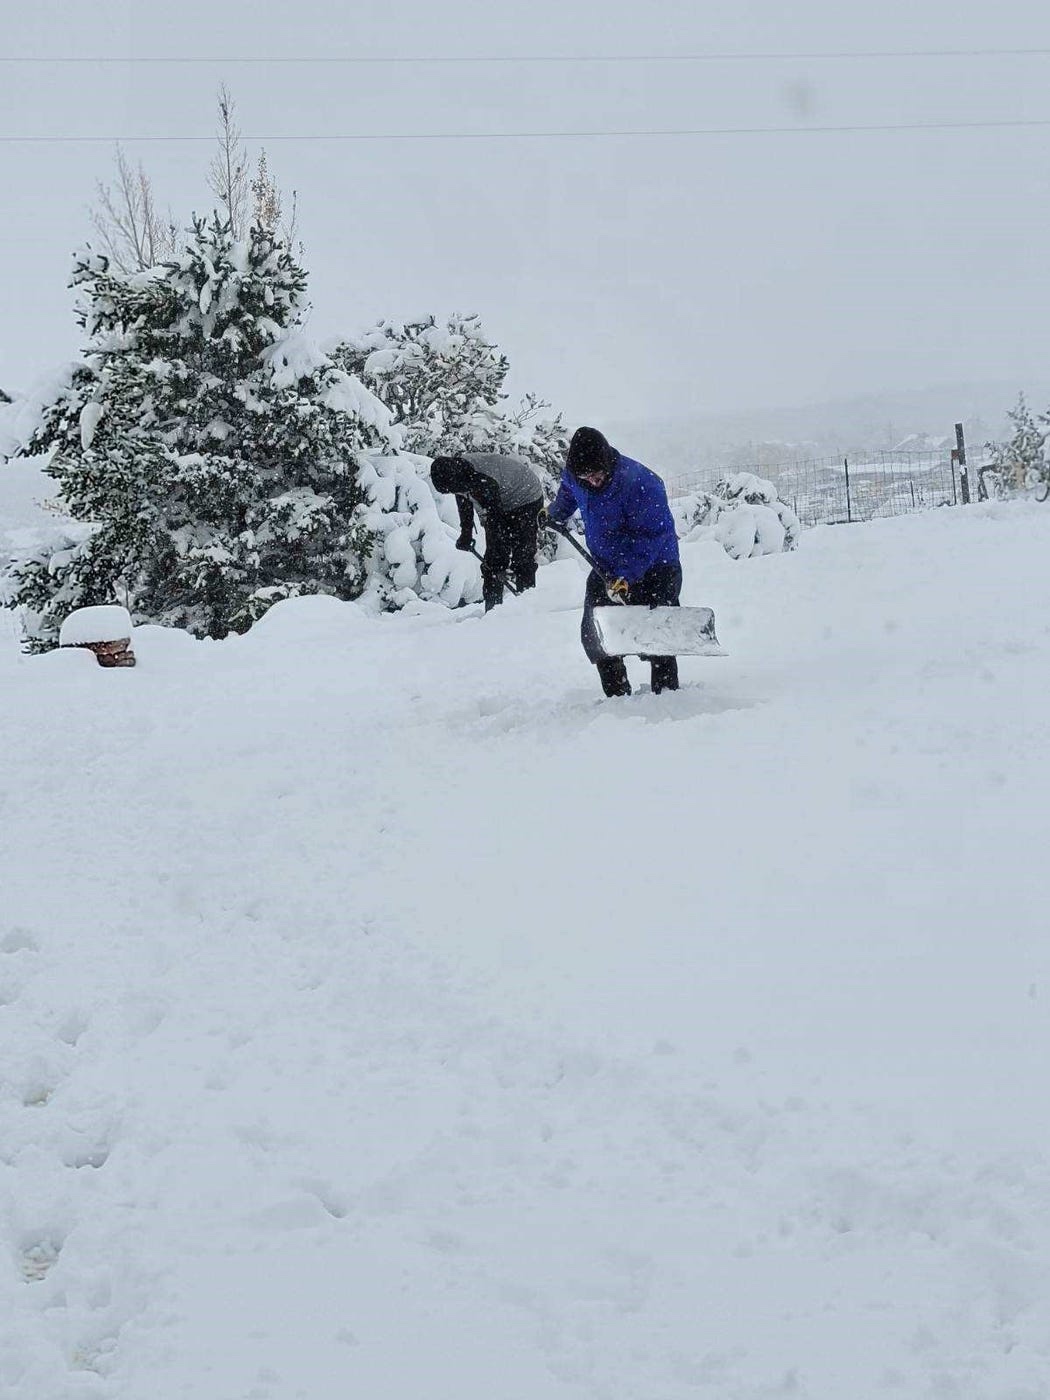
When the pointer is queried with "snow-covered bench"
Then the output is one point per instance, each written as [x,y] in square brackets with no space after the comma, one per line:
[104,630]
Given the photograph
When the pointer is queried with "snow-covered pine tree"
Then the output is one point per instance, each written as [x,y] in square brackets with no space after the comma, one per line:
[5,398]
[223,462]
[1018,462]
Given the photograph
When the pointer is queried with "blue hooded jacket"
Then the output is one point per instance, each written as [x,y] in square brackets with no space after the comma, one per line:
[628,522]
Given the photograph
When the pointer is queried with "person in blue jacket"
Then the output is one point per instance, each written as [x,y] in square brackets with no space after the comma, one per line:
[631,534]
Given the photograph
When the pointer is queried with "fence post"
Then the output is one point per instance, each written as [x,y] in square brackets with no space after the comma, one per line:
[849,505]
[964,471]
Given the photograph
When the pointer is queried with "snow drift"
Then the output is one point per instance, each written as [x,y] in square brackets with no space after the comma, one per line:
[385,1014]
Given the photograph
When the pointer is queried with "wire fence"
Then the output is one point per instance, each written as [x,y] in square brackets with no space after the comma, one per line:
[837,490]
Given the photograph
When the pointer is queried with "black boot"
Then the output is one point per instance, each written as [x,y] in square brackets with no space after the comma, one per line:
[664,673]
[525,578]
[613,675]
[491,590]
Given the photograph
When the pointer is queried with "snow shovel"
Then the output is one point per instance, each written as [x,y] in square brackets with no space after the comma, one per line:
[639,630]
[502,577]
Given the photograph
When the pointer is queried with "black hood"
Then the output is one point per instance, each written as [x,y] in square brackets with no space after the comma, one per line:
[451,475]
[589,451]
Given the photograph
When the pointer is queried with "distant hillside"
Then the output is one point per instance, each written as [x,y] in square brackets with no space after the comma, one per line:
[875,421]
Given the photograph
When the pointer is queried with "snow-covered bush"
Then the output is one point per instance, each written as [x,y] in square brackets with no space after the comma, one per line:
[222,461]
[1020,461]
[743,513]
[413,529]
[444,385]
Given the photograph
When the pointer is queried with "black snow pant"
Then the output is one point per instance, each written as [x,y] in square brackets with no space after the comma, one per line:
[660,587]
[510,550]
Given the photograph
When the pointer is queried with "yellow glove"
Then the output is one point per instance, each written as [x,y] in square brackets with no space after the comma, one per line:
[618,591]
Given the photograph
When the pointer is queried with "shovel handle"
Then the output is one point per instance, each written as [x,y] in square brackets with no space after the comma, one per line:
[559,529]
[506,581]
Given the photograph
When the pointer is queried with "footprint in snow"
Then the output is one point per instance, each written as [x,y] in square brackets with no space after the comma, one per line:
[576,710]
[38,1259]
[72,1027]
[93,1157]
[37,1093]
[18,940]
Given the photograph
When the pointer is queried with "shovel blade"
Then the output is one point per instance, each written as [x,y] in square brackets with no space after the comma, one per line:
[639,631]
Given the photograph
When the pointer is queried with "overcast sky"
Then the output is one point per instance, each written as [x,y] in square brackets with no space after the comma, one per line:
[625,277]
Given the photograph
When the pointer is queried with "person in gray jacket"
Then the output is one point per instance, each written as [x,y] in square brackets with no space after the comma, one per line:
[507,494]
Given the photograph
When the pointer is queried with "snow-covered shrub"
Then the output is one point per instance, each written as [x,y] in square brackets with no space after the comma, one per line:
[444,385]
[1019,462]
[414,553]
[743,513]
[222,461]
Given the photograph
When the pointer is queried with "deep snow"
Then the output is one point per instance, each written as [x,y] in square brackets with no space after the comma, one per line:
[384,1014]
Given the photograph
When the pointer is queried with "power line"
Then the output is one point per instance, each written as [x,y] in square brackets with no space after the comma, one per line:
[699,131]
[841,55]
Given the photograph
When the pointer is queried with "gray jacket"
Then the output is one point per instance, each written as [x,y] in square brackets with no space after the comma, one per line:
[513,482]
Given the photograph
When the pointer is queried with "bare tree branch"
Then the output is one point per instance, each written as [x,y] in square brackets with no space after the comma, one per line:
[290,227]
[133,234]
[228,175]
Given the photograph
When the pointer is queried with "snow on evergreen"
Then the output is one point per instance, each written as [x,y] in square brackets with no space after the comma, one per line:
[743,514]
[23,414]
[221,461]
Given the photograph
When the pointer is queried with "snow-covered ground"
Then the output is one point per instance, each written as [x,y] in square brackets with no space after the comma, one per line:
[384,1014]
